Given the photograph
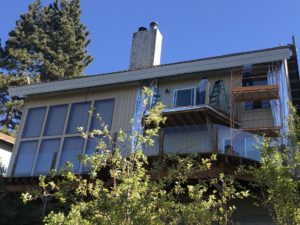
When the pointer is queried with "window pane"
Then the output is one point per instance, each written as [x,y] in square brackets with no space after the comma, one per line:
[251,150]
[78,116]
[46,156]
[34,122]
[105,108]
[91,146]
[91,149]
[184,97]
[71,150]
[25,158]
[56,120]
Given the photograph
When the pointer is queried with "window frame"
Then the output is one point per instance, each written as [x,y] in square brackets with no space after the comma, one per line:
[248,138]
[62,136]
[182,89]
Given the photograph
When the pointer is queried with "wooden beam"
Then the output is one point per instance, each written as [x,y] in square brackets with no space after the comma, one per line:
[215,139]
[161,141]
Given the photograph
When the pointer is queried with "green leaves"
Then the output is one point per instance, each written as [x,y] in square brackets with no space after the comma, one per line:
[124,187]
[277,177]
[49,42]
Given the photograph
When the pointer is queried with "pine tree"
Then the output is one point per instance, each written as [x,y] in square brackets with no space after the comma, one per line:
[50,42]
[10,108]
[20,55]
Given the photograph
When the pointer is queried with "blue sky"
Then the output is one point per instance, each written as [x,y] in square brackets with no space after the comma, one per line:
[191,29]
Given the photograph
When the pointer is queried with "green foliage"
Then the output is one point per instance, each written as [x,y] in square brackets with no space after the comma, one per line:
[133,190]
[277,177]
[10,109]
[48,43]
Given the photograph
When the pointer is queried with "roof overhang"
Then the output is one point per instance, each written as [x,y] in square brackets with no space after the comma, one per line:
[201,65]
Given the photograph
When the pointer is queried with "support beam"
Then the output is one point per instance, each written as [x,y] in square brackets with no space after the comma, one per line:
[161,141]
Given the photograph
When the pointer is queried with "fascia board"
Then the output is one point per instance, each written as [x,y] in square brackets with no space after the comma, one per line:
[155,72]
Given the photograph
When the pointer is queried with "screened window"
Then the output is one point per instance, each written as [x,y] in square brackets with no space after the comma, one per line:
[78,117]
[34,122]
[72,148]
[25,159]
[184,97]
[46,156]
[56,120]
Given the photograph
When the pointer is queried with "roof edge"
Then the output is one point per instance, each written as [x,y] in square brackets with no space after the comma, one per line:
[165,70]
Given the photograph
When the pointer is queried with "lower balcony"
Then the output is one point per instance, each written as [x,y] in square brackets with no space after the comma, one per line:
[214,138]
[204,129]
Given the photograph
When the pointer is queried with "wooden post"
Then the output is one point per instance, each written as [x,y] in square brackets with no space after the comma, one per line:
[215,138]
[210,131]
[161,141]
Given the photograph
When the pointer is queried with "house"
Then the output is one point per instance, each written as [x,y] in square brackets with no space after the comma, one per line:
[213,105]
[6,147]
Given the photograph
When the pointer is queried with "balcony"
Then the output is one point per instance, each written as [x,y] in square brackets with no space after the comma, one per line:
[204,129]
[198,139]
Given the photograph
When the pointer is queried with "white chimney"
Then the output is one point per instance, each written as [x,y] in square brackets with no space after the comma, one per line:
[146,47]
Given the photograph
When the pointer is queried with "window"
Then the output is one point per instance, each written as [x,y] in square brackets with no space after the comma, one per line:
[56,120]
[50,137]
[71,150]
[78,117]
[264,104]
[34,122]
[46,156]
[105,109]
[184,97]
[251,150]
[25,159]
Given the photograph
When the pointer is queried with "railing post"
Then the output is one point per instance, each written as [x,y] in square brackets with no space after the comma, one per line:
[215,138]
[161,141]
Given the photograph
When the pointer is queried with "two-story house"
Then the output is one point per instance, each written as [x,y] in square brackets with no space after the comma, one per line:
[213,105]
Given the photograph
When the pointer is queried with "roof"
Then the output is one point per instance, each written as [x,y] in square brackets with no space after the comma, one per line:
[166,70]
[7,138]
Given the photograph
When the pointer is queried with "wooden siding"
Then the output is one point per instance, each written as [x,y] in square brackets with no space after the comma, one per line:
[256,118]
[124,96]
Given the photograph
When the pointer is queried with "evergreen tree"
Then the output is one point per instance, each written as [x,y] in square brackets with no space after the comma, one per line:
[49,42]
[10,109]
[20,55]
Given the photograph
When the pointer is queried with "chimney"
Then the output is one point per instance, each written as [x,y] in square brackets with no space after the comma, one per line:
[146,47]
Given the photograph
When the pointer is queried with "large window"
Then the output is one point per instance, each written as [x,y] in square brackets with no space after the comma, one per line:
[188,97]
[50,136]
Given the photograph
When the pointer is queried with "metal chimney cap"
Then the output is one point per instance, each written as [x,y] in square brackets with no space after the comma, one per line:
[142,28]
[153,25]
